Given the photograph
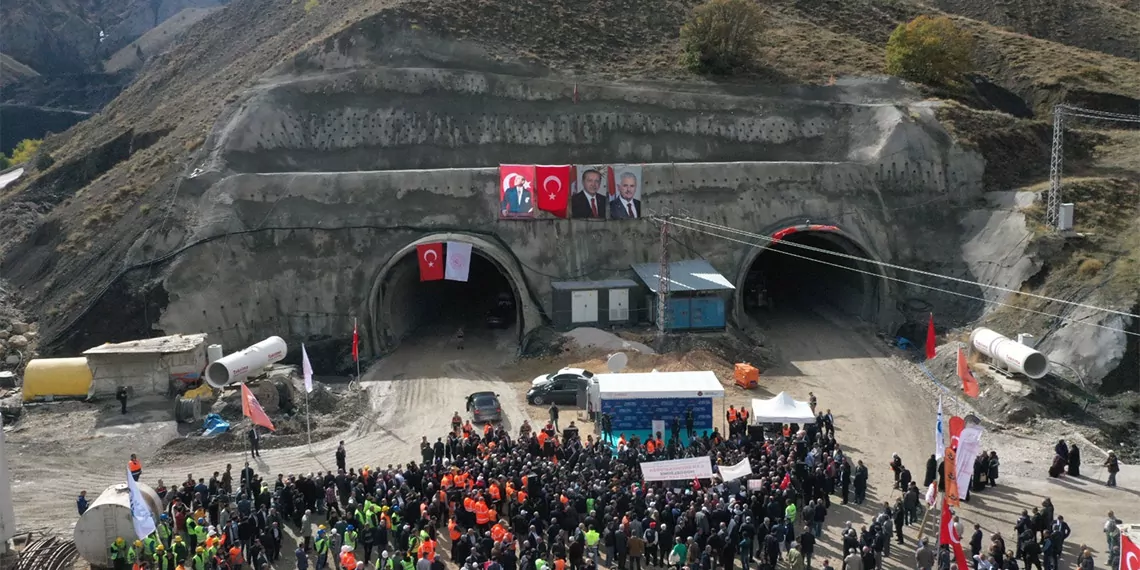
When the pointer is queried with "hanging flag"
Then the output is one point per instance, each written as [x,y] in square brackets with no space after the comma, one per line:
[355,343]
[787,481]
[141,516]
[950,463]
[251,409]
[969,383]
[553,189]
[431,261]
[1129,553]
[930,338]
[458,261]
[306,370]
[969,446]
[948,535]
[939,434]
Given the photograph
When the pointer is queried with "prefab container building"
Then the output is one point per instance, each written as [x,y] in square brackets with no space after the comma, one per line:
[593,303]
[148,366]
[698,294]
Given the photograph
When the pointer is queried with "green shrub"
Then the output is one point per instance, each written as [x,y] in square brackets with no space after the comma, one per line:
[929,50]
[25,150]
[722,36]
[5,162]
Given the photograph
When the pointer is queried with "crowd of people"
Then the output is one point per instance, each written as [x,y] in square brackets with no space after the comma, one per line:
[551,500]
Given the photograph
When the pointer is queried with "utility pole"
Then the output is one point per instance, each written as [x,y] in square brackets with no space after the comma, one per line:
[1056,164]
[663,282]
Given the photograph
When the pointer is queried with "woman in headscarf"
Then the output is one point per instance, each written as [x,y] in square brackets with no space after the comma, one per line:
[1074,461]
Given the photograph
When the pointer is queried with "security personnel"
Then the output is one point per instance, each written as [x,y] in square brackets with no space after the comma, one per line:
[200,559]
[118,554]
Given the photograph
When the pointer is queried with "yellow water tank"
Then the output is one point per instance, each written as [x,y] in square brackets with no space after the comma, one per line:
[56,377]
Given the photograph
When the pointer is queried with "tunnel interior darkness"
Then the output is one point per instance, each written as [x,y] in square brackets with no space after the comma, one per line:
[441,307]
[778,281]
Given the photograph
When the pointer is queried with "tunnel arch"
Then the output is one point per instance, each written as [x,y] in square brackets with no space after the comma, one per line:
[384,317]
[793,280]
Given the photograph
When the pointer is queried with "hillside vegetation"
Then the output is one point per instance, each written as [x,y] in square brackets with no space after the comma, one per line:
[111,178]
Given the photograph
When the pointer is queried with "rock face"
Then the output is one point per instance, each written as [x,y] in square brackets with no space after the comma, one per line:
[18,342]
[1093,352]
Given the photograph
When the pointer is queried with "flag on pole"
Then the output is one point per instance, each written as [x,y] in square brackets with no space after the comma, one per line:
[431,261]
[948,534]
[1129,553]
[969,382]
[355,342]
[939,434]
[930,338]
[252,409]
[141,516]
[306,370]
[458,261]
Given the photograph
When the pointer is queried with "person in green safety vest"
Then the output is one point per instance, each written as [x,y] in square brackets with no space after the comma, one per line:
[539,564]
[118,554]
[414,543]
[165,530]
[592,538]
[149,544]
[200,558]
[406,562]
[179,549]
[384,562]
[350,535]
[321,545]
[162,560]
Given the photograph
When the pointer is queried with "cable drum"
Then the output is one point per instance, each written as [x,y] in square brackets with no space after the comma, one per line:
[187,410]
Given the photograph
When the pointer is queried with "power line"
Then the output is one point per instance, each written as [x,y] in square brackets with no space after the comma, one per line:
[911,270]
[887,277]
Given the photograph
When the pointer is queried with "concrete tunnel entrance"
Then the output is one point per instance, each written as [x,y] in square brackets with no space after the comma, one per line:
[783,277]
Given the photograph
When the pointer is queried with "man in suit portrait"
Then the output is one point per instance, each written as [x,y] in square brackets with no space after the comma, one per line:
[589,203]
[626,205]
[518,200]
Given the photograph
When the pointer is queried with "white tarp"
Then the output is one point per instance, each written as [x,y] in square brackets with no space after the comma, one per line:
[732,472]
[677,469]
[781,409]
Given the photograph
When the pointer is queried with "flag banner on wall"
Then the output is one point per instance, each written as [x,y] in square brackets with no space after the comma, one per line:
[930,352]
[252,409]
[677,469]
[589,195]
[458,261]
[516,191]
[554,189]
[969,382]
[431,261]
[306,370]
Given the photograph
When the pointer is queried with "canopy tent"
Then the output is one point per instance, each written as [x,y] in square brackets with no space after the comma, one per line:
[634,401]
[781,409]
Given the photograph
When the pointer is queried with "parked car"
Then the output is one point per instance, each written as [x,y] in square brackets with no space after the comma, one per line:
[561,389]
[485,407]
[564,374]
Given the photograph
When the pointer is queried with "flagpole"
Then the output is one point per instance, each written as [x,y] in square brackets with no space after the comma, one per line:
[308,426]
[354,329]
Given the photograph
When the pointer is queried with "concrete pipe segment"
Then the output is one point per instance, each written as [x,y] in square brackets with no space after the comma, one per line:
[1014,356]
[241,364]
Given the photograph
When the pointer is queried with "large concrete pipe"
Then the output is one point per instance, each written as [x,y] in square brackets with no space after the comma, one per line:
[1012,355]
[239,365]
[108,518]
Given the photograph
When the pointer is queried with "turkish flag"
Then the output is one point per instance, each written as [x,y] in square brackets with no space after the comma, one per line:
[1129,554]
[948,534]
[355,342]
[554,189]
[930,338]
[431,261]
[251,409]
[969,383]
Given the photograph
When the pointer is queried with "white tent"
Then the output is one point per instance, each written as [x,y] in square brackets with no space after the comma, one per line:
[781,409]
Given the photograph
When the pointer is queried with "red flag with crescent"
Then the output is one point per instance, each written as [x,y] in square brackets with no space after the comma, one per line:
[948,534]
[431,261]
[554,189]
[1129,553]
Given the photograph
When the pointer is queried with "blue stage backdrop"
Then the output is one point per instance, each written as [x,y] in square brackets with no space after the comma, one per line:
[638,414]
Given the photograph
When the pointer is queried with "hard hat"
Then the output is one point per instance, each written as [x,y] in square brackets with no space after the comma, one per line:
[160,548]
[199,549]
[176,539]
[120,539]
[320,532]
[201,520]
[164,516]
[321,527]
[350,527]
[138,543]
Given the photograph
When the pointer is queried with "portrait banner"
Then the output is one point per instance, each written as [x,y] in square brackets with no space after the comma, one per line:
[677,469]
[589,196]
[625,193]
[516,191]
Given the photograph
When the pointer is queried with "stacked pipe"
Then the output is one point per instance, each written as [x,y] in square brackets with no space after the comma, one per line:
[48,553]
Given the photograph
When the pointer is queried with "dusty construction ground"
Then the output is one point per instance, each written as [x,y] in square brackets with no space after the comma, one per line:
[881,406]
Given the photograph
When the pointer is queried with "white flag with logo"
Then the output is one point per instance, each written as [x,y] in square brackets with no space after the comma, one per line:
[939,435]
[141,516]
[458,261]
[306,370]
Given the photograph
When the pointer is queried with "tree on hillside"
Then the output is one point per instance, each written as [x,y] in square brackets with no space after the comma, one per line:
[929,50]
[721,36]
[25,150]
